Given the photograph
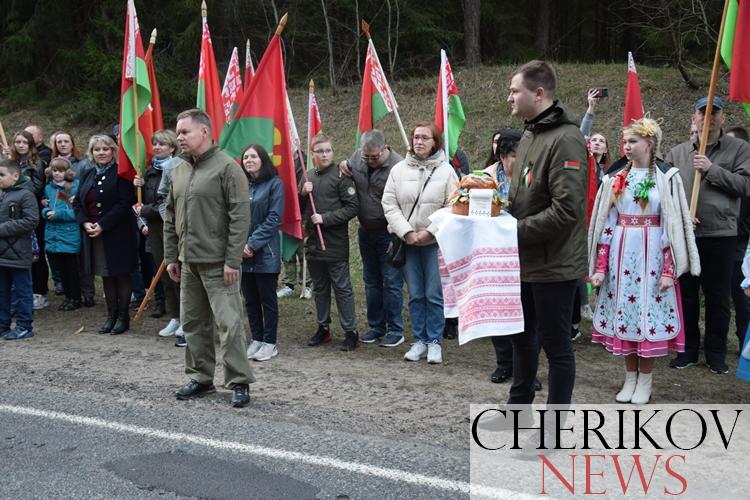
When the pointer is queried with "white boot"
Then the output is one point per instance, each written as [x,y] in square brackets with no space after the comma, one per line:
[626,393]
[642,392]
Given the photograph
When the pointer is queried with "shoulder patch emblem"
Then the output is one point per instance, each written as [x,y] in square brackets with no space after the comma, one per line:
[350,191]
[572,165]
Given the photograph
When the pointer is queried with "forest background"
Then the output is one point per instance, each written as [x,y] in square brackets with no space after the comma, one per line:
[62,58]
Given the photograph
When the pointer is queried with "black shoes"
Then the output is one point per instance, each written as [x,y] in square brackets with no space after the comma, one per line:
[89,302]
[350,341]
[450,330]
[322,336]
[158,309]
[122,324]
[718,367]
[681,361]
[241,395]
[195,389]
[500,375]
[109,324]
[69,305]
[179,341]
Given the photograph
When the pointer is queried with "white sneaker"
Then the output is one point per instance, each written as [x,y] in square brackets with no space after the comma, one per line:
[418,351]
[253,348]
[306,294]
[284,292]
[40,302]
[434,353]
[170,329]
[266,352]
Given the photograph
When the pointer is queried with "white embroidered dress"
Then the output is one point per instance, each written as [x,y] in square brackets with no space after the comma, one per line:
[632,316]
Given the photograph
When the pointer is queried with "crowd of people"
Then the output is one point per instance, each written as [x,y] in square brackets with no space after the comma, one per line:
[214,227]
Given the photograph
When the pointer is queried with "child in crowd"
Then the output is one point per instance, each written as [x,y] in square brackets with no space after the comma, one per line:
[336,203]
[19,215]
[640,241]
[62,234]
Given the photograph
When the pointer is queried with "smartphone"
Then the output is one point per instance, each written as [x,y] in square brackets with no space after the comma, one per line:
[602,92]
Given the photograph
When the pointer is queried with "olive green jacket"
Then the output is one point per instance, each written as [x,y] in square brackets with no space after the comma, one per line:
[208,211]
[548,197]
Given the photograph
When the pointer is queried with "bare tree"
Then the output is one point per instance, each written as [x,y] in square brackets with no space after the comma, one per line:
[543,15]
[393,52]
[472,10]
[357,37]
[331,67]
[682,23]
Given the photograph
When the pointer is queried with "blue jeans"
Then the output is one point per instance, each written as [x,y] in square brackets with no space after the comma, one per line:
[20,280]
[422,276]
[384,284]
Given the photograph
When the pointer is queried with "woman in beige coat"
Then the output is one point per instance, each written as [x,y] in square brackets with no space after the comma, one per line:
[423,178]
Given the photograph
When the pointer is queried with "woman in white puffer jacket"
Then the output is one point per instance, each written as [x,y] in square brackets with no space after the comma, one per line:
[425,178]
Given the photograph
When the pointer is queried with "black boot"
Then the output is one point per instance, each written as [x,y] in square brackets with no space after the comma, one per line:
[110,323]
[122,324]
[158,310]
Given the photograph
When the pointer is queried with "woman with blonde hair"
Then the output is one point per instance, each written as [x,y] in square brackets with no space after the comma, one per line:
[640,241]
[104,211]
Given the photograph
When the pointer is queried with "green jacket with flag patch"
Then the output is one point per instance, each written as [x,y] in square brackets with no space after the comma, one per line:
[548,197]
[336,200]
[208,211]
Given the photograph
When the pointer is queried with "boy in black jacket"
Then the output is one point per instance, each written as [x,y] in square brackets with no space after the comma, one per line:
[19,216]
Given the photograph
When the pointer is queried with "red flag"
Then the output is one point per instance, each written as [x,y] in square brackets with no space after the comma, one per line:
[735,47]
[633,101]
[262,118]
[376,99]
[209,93]
[231,93]
[448,108]
[314,123]
[156,114]
[135,95]
[249,70]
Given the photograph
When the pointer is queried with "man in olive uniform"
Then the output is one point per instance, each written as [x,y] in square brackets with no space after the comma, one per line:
[207,219]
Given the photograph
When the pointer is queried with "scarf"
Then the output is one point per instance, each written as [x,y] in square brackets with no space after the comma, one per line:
[159,164]
[101,169]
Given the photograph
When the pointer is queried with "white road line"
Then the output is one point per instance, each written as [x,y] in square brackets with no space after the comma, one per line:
[275,453]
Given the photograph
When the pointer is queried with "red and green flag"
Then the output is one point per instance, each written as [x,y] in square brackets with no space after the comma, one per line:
[263,118]
[249,69]
[376,99]
[314,123]
[157,118]
[209,92]
[135,97]
[448,108]
[735,50]
[231,93]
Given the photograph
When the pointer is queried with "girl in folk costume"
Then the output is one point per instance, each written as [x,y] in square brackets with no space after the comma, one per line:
[640,241]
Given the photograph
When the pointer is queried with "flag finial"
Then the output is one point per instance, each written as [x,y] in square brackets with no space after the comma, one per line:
[311,87]
[282,24]
[247,45]
[366,28]
[204,9]
[153,37]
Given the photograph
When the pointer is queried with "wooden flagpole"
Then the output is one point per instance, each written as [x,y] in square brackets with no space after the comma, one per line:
[311,91]
[2,136]
[150,291]
[708,113]
[366,30]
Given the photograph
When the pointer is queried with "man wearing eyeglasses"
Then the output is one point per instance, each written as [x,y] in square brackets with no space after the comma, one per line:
[370,166]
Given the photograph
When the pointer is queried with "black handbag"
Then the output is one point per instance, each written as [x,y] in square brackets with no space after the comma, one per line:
[396,251]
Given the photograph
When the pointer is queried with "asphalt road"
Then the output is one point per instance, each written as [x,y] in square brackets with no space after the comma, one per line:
[55,444]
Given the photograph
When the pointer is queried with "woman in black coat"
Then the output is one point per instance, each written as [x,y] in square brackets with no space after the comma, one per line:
[104,210]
